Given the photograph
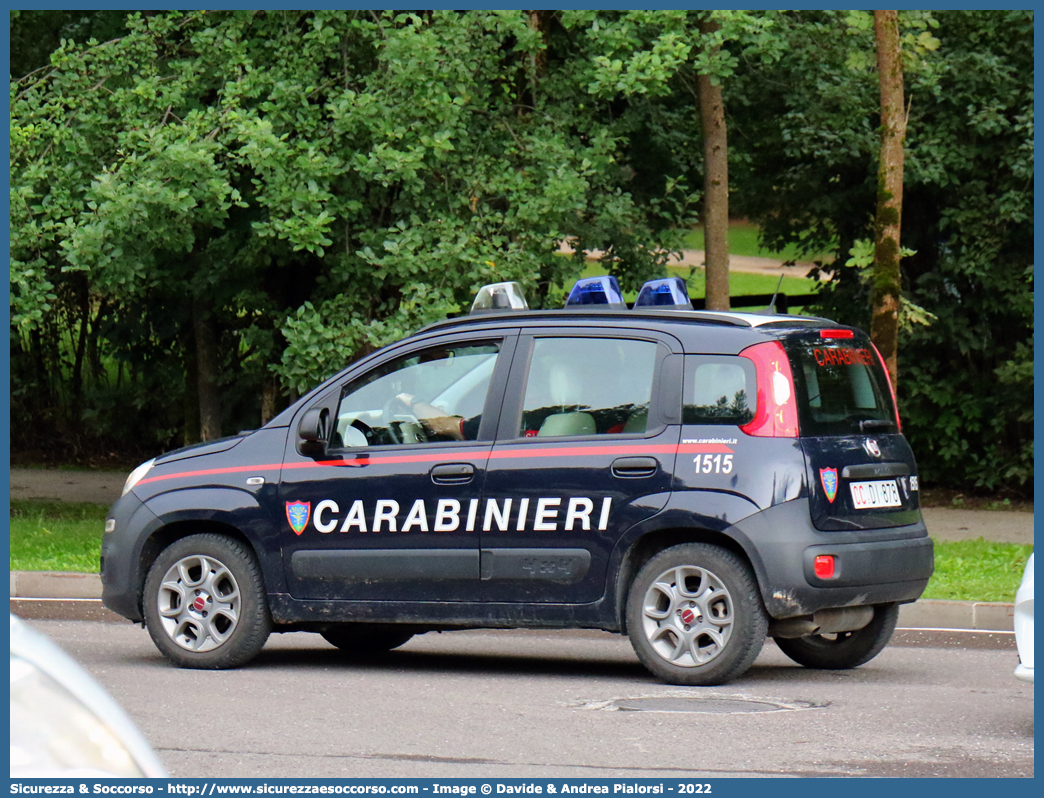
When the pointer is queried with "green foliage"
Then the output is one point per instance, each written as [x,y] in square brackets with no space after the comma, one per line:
[313,184]
[811,180]
[862,259]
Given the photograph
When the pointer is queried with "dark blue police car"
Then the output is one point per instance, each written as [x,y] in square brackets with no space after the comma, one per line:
[696,480]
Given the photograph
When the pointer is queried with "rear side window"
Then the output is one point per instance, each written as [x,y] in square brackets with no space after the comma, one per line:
[719,390]
[588,386]
[841,388]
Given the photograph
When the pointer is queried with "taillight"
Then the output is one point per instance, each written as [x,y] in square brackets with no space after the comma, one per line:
[823,566]
[837,334]
[776,415]
[895,399]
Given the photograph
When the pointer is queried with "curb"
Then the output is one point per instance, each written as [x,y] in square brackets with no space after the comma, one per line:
[986,616]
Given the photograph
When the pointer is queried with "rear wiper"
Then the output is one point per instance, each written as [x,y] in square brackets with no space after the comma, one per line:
[875,423]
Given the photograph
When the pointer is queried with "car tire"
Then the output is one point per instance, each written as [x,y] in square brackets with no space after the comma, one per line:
[695,615]
[204,603]
[843,650]
[365,639]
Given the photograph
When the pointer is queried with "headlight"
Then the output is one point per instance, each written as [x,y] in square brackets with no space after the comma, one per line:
[136,475]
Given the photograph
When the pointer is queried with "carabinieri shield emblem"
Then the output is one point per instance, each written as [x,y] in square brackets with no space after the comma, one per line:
[828,476]
[297,514]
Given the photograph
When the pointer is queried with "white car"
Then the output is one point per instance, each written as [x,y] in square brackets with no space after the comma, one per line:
[63,724]
[1024,624]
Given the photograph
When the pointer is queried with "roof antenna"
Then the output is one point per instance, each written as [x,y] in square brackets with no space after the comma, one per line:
[771,309]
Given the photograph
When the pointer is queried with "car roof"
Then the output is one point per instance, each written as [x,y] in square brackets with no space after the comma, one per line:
[620,315]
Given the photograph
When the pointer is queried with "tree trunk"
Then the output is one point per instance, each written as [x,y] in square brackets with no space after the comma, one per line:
[537,65]
[269,398]
[93,348]
[207,369]
[190,403]
[884,323]
[83,289]
[715,184]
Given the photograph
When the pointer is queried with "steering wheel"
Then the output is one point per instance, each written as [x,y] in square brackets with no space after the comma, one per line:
[393,408]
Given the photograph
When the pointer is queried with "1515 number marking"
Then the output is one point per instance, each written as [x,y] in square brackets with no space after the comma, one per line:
[713,463]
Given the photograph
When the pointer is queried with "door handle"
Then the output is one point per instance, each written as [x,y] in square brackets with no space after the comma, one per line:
[635,466]
[453,473]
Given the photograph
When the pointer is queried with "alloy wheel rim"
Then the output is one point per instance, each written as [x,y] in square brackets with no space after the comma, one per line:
[687,616]
[199,603]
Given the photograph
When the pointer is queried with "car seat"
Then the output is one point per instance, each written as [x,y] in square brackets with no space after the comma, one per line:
[566,392]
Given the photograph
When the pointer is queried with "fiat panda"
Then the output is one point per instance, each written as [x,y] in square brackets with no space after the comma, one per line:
[698,481]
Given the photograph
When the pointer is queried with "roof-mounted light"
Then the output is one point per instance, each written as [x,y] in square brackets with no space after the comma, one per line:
[596,291]
[669,293]
[499,296]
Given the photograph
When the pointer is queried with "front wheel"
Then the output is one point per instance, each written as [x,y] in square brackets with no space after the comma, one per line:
[695,616]
[843,650]
[204,603]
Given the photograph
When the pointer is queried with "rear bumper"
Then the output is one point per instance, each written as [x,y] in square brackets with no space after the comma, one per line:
[871,566]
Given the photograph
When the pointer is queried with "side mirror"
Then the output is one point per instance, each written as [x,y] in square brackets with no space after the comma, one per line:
[311,431]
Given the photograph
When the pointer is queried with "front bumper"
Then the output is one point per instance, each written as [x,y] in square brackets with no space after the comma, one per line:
[871,566]
[122,569]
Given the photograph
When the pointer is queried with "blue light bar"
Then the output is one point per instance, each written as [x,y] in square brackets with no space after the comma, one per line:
[596,291]
[669,293]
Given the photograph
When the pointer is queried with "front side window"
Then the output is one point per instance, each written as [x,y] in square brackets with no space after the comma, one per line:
[435,395]
[588,386]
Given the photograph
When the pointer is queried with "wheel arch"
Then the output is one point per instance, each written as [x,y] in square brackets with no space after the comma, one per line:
[695,516]
[168,534]
[233,513]
[652,543]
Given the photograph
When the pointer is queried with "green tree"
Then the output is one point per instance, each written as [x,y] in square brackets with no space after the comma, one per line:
[249,195]
[675,58]
[804,166]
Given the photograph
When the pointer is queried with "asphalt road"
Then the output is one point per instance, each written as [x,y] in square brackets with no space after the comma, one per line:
[566,704]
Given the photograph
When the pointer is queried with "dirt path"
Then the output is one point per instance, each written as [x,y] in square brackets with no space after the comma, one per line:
[741,263]
[95,487]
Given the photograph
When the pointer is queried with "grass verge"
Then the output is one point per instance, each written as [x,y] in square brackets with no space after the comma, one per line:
[743,241]
[59,536]
[977,570]
[56,536]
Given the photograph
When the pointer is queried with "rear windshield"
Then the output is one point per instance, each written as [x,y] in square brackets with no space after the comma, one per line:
[841,388]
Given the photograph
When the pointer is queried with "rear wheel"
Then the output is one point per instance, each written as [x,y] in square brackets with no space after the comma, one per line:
[366,639]
[204,603]
[694,615]
[843,650]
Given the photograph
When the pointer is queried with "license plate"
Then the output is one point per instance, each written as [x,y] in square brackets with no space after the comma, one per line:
[868,495]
